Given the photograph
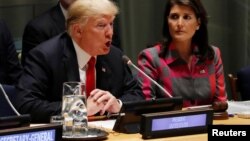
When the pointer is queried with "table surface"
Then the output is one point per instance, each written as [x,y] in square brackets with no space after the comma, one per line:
[113,136]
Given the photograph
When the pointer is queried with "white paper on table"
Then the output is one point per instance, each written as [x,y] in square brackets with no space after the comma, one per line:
[235,107]
[107,124]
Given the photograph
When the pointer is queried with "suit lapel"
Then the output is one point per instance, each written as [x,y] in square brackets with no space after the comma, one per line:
[103,73]
[70,60]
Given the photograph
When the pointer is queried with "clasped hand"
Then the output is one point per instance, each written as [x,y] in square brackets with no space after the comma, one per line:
[102,101]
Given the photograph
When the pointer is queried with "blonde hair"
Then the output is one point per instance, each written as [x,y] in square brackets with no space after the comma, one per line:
[81,10]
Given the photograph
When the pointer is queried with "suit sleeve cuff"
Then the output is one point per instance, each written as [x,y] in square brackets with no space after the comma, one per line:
[120,102]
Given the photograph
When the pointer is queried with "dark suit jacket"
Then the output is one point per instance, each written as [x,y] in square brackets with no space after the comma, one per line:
[48,25]
[42,28]
[54,62]
[10,68]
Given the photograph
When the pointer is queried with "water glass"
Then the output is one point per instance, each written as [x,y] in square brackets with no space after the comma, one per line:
[74,110]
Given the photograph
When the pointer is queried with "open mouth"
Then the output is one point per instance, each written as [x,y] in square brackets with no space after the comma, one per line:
[108,44]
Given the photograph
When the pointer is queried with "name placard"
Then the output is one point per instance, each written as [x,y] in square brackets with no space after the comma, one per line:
[175,123]
[46,135]
[50,132]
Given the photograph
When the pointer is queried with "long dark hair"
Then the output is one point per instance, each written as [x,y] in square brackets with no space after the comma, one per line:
[200,37]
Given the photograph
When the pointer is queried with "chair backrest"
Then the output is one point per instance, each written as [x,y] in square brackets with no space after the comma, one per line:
[240,84]
[243,81]
[234,86]
[5,107]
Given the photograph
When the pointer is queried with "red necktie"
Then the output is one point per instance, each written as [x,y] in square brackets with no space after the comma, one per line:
[90,76]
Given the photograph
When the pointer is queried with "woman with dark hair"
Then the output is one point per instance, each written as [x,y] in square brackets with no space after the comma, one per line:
[184,63]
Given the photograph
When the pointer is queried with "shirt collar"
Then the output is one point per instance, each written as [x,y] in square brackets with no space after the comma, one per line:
[82,56]
[64,11]
[173,55]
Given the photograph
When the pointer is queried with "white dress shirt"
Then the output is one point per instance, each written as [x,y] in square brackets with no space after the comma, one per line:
[82,59]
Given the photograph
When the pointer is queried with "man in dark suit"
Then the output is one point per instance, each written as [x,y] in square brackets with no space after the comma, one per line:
[61,59]
[50,24]
[10,68]
[44,27]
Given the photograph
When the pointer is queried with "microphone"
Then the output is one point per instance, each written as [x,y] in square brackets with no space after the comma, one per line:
[129,62]
[8,100]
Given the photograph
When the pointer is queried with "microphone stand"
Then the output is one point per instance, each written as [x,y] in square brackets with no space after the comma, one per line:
[129,62]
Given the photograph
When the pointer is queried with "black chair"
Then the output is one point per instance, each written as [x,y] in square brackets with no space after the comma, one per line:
[240,84]
[5,107]
[243,81]
[234,87]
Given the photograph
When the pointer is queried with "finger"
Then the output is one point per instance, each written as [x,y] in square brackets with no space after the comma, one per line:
[97,94]
[105,97]
[93,92]
[111,102]
[94,107]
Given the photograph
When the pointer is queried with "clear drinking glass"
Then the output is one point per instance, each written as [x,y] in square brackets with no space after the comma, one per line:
[74,110]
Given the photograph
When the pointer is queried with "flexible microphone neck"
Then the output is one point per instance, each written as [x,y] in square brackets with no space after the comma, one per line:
[8,100]
[129,62]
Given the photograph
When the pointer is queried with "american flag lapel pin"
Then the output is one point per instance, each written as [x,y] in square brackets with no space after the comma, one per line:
[202,71]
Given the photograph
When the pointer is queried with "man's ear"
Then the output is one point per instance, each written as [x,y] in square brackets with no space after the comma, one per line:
[77,30]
